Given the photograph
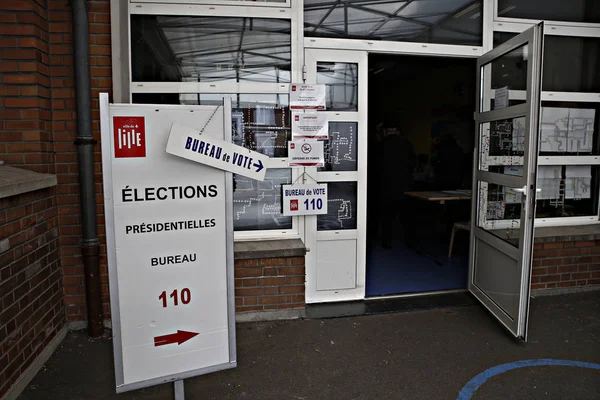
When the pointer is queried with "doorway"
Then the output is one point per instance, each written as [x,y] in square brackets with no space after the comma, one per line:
[420,142]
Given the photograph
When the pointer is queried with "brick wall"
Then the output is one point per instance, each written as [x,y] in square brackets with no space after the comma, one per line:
[268,284]
[565,264]
[38,114]
[31,292]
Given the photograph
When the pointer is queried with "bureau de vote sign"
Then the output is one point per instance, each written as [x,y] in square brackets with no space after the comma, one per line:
[169,231]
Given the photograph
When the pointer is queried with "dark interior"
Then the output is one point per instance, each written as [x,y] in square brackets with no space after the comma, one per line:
[431,101]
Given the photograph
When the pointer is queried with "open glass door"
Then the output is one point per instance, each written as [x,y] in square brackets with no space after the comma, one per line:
[335,264]
[504,184]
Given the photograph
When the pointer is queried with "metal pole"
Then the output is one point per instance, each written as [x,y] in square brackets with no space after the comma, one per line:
[85,148]
[179,392]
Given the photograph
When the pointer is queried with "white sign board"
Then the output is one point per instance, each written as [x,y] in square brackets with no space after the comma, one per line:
[310,126]
[305,153]
[307,97]
[206,149]
[308,199]
[501,98]
[169,232]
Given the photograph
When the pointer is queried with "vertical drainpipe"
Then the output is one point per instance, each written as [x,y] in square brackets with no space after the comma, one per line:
[85,149]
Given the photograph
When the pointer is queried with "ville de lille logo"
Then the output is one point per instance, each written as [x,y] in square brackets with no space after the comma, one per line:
[130,137]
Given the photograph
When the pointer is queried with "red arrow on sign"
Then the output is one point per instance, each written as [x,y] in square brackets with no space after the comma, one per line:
[179,337]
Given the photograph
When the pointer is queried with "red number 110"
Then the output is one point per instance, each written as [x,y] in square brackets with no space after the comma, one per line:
[185,296]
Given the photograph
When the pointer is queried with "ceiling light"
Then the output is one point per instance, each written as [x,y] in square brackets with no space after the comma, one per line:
[507,9]
[466,10]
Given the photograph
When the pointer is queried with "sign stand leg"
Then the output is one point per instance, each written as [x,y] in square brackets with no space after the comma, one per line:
[179,392]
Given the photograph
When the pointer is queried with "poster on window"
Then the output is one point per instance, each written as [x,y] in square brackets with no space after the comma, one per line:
[310,126]
[307,97]
[306,153]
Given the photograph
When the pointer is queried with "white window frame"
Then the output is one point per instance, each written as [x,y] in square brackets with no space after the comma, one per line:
[531,22]
[124,87]
[552,28]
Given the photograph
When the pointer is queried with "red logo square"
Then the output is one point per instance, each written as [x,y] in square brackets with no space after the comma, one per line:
[297,117]
[292,146]
[130,137]
[293,205]
[293,88]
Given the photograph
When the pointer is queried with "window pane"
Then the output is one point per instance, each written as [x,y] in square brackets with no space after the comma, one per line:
[429,21]
[501,210]
[567,191]
[554,10]
[210,49]
[571,64]
[257,205]
[341,148]
[342,85]
[261,122]
[341,207]
[569,128]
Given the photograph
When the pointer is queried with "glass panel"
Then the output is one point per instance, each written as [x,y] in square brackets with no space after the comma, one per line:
[567,191]
[554,10]
[341,148]
[500,211]
[210,49]
[502,146]
[342,85]
[569,128]
[341,207]
[571,64]
[508,71]
[257,205]
[260,122]
[429,21]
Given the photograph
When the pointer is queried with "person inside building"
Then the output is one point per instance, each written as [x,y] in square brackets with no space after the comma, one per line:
[398,161]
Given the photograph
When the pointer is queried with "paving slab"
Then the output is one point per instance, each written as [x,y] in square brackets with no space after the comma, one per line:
[428,354]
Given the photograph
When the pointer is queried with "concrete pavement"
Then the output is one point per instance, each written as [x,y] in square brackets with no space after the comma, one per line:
[413,355]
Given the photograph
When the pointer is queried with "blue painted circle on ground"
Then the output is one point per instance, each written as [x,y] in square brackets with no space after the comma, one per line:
[471,387]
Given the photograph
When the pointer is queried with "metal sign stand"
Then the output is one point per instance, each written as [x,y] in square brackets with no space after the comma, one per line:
[178,388]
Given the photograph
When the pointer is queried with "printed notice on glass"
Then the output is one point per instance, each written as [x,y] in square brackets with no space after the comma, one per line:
[310,126]
[309,199]
[305,153]
[307,97]
[501,98]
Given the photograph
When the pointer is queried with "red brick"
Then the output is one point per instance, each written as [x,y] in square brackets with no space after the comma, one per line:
[589,243]
[550,278]
[242,292]
[247,272]
[265,262]
[280,280]
[554,245]
[291,289]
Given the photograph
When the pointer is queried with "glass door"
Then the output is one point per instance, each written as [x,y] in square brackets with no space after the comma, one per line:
[504,184]
[335,262]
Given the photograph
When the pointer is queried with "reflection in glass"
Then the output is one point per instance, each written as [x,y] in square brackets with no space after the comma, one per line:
[209,49]
[567,191]
[260,122]
[341,207]
[554,10]
[257,205]
[341,148]
[508,71]
[428,21]
[342,85]
[571,64]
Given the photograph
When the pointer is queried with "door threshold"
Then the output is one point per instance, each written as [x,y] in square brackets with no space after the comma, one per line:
[416,294]
[390,304]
